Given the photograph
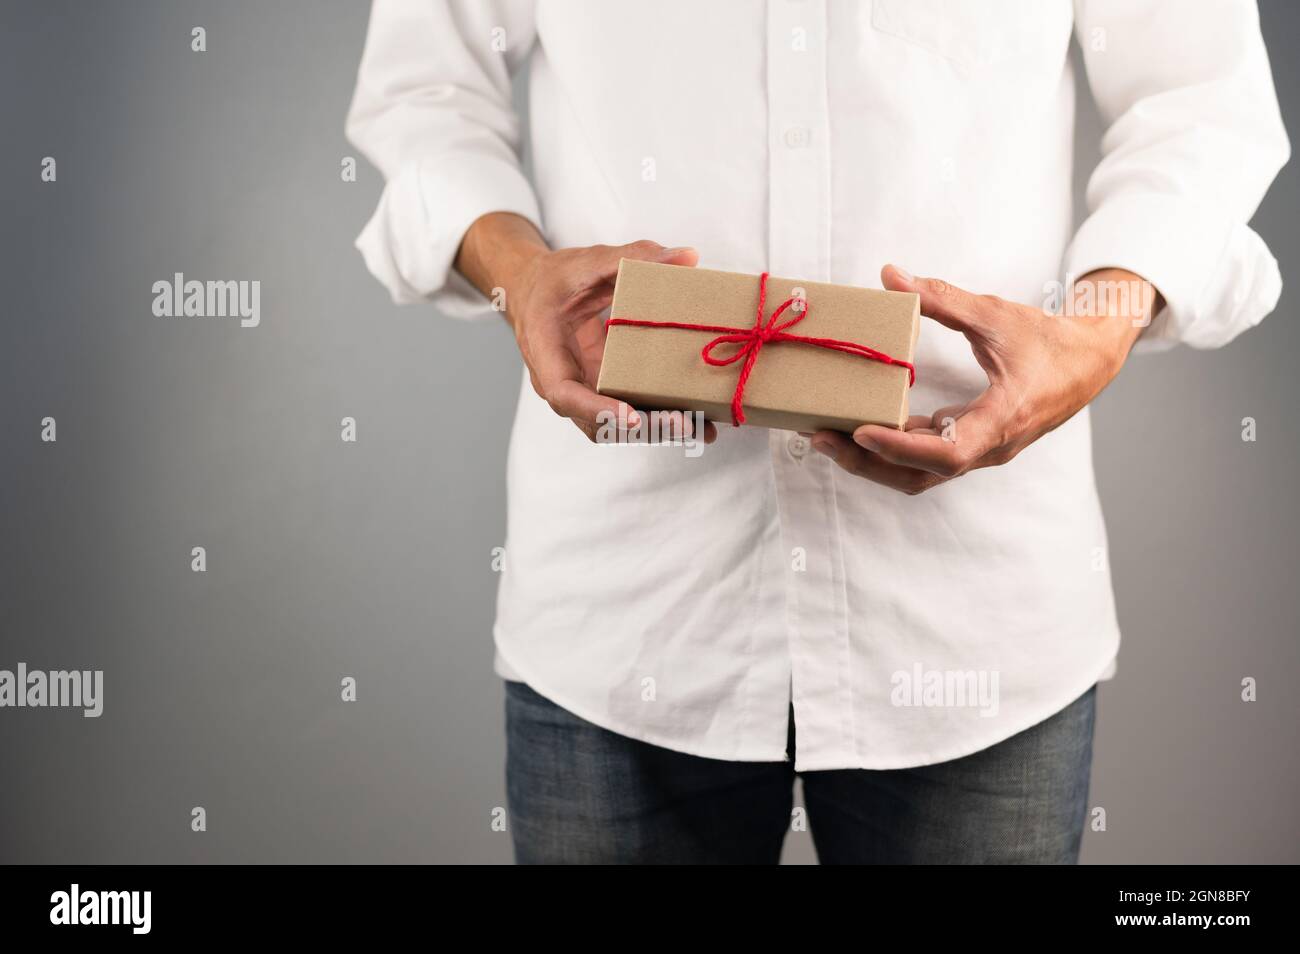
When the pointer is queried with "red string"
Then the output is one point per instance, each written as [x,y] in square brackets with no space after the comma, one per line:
[753,339]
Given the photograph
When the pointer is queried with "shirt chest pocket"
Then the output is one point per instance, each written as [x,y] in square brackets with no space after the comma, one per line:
[978,35]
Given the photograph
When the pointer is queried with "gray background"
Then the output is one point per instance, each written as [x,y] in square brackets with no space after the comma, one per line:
[372,560]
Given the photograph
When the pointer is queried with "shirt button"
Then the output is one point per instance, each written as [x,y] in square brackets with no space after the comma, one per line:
[797,445]
[797,137]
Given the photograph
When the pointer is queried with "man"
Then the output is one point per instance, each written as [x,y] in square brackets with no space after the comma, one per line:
[682,634]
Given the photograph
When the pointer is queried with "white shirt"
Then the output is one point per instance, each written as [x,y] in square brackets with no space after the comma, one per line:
[685,600]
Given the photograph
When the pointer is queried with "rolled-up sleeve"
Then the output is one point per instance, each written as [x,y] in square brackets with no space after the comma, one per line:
[433,111]
[1193,138]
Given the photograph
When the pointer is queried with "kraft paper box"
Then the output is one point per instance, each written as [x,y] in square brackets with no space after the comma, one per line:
[792,385]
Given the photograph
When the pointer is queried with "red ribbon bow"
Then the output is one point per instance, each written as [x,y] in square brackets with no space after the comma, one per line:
[753,339]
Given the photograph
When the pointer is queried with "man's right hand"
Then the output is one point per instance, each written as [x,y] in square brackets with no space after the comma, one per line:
[554,301]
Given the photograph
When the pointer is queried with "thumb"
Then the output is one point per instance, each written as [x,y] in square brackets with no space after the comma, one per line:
[947,304]
[681,255]
[647,251]
[604,259]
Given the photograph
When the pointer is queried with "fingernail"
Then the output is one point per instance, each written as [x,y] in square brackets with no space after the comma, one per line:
[670,252]
[867,441]
[827,448]
[905,274]
[633,418]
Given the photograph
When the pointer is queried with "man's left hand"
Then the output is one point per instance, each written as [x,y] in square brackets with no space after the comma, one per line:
[1042,368]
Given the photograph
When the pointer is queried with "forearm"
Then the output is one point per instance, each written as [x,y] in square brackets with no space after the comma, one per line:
[1121,302]
[496,250]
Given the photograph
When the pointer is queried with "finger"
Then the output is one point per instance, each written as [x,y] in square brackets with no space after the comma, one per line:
[606,257]
[681,425]
[647,251]
[575,400]
[922,423]
[947,304]
[862,463]
[671,426]
[943,419]
[974,432]
[559,380]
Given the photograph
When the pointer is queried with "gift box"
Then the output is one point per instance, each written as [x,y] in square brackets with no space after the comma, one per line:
[759,350]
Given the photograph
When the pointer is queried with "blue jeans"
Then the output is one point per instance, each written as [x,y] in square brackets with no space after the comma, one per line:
[580,794]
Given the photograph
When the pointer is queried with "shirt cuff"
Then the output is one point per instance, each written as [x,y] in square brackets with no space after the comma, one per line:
[411,241]
[1217,276]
